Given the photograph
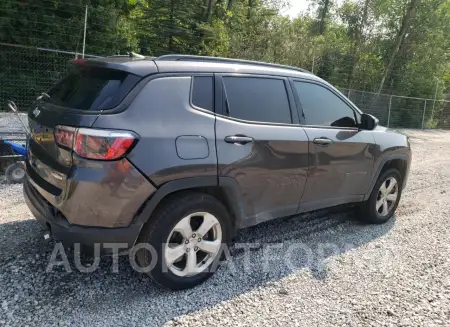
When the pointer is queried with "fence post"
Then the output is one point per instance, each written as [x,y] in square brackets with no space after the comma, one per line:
[389,112]
[435,96]
[348,94]
[423,115]
[85,25]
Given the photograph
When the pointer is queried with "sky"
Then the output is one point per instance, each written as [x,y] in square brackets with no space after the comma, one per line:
[297,6]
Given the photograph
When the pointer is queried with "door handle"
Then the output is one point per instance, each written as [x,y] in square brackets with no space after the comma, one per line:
[238,139]
[323,141]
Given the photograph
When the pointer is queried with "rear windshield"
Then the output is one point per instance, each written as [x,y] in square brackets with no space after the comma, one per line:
[92,88]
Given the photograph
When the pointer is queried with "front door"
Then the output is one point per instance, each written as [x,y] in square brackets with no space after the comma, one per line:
[261,145]
[341,156]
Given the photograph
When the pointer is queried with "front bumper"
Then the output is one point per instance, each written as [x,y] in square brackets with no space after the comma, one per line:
[61,230]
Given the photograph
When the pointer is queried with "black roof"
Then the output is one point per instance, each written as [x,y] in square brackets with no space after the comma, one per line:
[197,64]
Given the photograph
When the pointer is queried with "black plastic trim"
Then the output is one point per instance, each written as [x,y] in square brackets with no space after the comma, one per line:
[386,158]
[171,187]
[228,184]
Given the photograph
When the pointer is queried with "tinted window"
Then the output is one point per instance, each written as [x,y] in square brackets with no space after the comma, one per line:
[323,107]
[257,99]
[92,88]
[203,92]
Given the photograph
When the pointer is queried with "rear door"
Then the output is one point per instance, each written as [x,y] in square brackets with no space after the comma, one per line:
[75,101]
[261,145]
[341,155]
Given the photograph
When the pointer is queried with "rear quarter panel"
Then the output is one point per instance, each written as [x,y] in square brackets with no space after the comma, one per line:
[163,118]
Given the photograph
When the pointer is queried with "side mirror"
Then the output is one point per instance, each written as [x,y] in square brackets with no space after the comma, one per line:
[368,122]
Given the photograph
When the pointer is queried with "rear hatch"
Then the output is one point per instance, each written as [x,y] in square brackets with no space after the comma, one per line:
[91,88]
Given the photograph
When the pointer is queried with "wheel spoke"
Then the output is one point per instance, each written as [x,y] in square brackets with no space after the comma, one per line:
[385,210]
[379,203]
[191,263]
[391,197]
[208,222]
[391,186]
[211,247]
[383,188]
[184,227]
[172,254]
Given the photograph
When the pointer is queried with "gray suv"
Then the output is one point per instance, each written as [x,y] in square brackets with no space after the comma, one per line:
[178,152]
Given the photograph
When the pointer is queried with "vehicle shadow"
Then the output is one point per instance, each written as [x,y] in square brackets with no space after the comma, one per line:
[277,249]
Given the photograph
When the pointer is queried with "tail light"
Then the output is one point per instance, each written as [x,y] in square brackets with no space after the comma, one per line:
[96,144]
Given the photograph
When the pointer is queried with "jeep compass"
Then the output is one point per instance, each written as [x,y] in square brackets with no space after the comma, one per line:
[178,152]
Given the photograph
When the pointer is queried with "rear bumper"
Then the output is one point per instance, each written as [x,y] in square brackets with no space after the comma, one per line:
[106,194]
[69,234]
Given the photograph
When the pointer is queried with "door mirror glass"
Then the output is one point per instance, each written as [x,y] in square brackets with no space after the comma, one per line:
[368,122]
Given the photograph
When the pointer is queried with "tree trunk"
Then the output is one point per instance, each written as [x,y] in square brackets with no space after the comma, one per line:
[358,43]
[398,41]
[210,10]
[205,10]
[230,5]
[323,15]
[249,10]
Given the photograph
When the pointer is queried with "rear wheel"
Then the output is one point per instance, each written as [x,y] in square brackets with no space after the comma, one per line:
[383,201]
[187,232]
[15,173]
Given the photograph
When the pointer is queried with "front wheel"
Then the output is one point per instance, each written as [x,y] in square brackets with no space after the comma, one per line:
[384,199]
[187,233]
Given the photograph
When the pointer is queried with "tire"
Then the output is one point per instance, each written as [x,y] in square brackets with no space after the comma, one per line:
[15,173]
[369,211]
[161,225]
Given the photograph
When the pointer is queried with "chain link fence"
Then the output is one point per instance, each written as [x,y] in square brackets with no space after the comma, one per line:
[25,72]
[402,112]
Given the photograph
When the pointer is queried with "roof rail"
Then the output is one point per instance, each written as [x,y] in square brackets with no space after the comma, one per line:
[131,55]
[177,57]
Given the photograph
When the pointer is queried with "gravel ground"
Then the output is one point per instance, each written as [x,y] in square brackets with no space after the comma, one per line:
[396,274]
[10,123]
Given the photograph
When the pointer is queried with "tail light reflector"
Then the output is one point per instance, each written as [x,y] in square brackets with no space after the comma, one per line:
[96,144]
[65,135]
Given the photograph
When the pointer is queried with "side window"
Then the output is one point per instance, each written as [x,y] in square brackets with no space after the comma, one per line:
[257,99]
[203,92]
[323,107]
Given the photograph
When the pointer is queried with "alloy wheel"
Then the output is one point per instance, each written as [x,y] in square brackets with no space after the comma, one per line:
[387,196]
[193,244]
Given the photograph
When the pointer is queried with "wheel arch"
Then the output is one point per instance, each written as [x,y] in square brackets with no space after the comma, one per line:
[224,189]
[399,161]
